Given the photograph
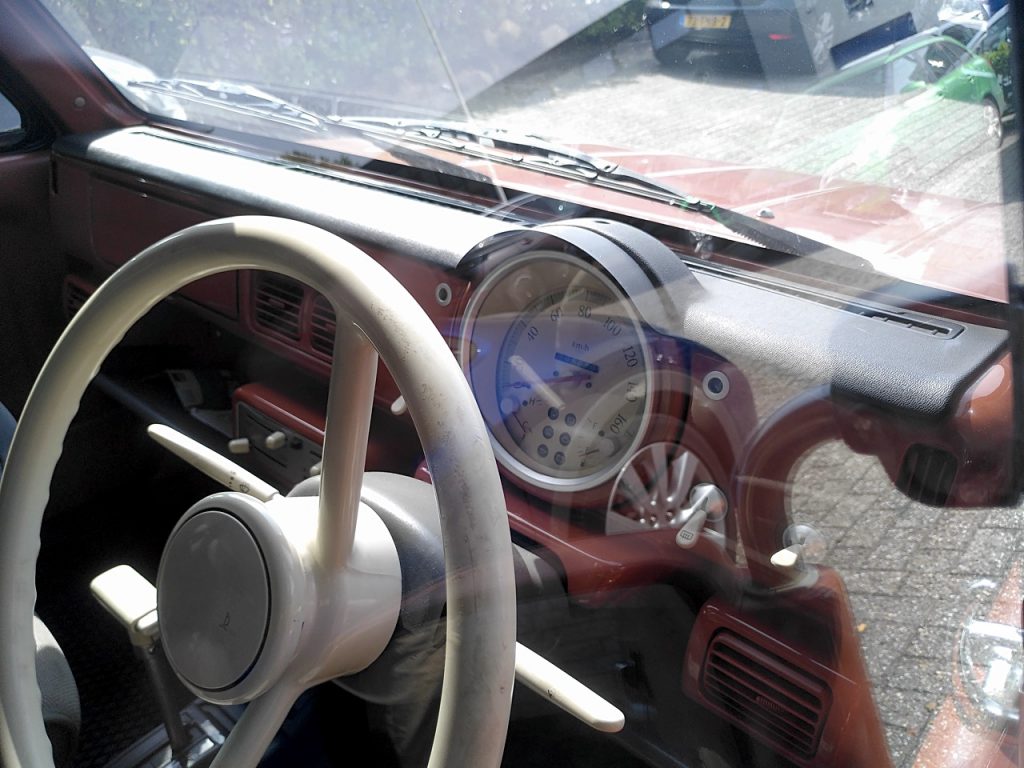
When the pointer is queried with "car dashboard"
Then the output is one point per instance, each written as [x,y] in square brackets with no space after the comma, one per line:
[650,392]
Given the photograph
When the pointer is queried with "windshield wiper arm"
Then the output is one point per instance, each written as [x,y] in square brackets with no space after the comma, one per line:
[249,101]
[532,152]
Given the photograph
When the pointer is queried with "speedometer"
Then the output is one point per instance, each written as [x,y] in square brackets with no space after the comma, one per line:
[558,360]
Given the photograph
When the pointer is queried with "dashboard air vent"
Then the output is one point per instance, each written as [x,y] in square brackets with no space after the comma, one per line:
[76,293]
[927,474]
[322,324]
[277,304]
[765,695]
[914,323]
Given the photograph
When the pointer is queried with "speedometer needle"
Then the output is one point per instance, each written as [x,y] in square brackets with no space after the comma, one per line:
[570,377]
[538,384]
[555,380]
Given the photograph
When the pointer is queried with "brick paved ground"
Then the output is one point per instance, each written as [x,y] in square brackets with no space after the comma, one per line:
[915,574]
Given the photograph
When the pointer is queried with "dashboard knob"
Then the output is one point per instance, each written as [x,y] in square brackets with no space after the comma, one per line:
[275,440]
[706,501]
[239,445]
[804,545]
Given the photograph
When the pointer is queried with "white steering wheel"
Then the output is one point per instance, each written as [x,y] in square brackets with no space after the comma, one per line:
[326,577]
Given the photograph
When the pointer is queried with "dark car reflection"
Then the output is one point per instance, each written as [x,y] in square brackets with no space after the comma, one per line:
[783,36]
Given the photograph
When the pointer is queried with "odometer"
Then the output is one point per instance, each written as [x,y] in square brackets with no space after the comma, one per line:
[559,364]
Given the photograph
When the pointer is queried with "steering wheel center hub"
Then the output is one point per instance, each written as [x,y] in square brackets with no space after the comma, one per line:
[214,600]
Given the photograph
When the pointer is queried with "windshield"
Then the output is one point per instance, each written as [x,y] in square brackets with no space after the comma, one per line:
[860,156]
[834,94]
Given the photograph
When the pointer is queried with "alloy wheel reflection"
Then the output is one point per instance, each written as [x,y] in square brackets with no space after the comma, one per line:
[993,122]
[654,489]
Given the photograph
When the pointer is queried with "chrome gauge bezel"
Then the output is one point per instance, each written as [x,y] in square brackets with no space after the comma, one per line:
[471,317]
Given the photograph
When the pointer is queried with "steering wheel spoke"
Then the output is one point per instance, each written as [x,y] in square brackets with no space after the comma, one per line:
[349,407]
[256,728]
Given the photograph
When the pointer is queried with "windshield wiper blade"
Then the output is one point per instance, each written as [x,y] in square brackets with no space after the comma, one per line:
[247,100]
[532,152]
[238,98]
[517,150]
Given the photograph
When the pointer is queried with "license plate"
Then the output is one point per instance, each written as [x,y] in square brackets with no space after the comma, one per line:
[706,21]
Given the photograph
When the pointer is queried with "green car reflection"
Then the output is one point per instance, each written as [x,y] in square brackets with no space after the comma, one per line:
[916,106]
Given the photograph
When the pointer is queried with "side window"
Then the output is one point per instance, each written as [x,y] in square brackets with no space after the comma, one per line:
[910,73]
[952,55]
[940,60]
[12,129]
[997,33]
[959,32]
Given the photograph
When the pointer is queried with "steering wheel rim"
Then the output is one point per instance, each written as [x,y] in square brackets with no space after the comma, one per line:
[370,305]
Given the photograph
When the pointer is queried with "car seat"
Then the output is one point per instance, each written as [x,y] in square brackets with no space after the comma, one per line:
[7,424]
[62,714]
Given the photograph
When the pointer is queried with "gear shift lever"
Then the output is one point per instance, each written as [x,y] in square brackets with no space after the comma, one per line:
[131,599]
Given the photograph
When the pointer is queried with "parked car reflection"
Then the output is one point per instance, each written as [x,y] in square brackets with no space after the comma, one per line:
[992,42]
[783,36]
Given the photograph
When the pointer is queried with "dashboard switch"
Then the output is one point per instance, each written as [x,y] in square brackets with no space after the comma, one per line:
[803,545]
[706,500]
[691,529]
[239,445]
[275,440]
[788,558]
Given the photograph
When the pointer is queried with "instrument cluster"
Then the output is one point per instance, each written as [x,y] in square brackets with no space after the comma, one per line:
[561,369]
[565,346]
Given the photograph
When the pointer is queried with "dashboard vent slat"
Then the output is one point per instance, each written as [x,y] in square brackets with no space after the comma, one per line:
[912,323]
[927,474]
[322,327]
[770,729]
[277,305]
[765,695]
[743,683]
[76,293]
